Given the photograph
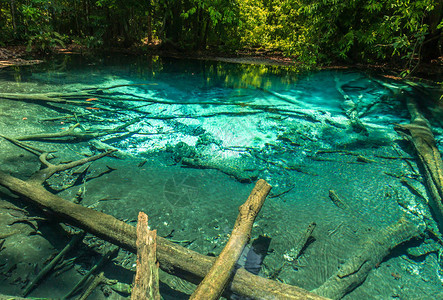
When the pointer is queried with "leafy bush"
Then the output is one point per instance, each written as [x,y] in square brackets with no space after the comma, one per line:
[45,42]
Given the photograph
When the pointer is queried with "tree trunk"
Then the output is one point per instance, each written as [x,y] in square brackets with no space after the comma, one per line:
[214,283]
[431,45]
[146,277]
[149,33]
[14,25]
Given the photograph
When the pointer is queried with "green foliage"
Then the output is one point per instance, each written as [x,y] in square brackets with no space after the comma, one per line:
[45,42]
[310,31]
[329,30]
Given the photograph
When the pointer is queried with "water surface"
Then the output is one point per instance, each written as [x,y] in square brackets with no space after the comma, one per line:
[195,136]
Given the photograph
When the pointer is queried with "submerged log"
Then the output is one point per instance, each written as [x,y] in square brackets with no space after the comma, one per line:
[238,172]
[354,271]
[215,282]
[44,97]
[99,279]
[351,110]
[103,260]
[74,241]
[70,133]
[173,258]
[419,133]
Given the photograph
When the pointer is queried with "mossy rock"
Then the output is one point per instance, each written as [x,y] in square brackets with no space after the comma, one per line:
[181,150]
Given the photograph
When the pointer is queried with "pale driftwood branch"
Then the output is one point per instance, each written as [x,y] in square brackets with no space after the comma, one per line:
[146,284]
[354,271]
[214,283]
[71,134]
[42,175]
[173,258]
[419,133]
[2,296]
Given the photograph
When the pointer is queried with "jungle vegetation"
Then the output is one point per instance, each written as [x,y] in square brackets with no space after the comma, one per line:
[311,31]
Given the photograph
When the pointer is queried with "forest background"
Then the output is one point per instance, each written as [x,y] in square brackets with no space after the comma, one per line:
[311,32]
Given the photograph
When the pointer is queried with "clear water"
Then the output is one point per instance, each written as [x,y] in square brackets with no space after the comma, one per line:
[241,122]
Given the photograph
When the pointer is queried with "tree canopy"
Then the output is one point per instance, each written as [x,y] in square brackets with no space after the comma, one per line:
[311,31]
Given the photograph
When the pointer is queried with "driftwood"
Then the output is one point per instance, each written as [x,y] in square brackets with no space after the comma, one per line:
[303,241]
[419,133]
[239,173]
[174,259]
[214,283]
[354,271]
[99,279]
[72,134]
[77,238]
[351,112]
[42,175]
[46,97]
[7,297]
[146,284]
[105,258]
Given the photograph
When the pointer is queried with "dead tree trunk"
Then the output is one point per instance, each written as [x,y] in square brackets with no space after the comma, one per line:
[146,276]
[213,285]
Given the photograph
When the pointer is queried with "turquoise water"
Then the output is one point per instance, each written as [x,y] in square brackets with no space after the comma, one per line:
[193,137]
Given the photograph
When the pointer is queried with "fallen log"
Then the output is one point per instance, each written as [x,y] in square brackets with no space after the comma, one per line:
[173,259]
[354,271]
[215,282]
[419,133]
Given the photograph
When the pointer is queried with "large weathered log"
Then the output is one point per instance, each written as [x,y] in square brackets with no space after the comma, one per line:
[352,273]
[419,133]
[173,258]
[215,282]
[146,276]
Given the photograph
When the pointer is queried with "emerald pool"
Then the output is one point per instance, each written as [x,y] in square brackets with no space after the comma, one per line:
[192,138]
